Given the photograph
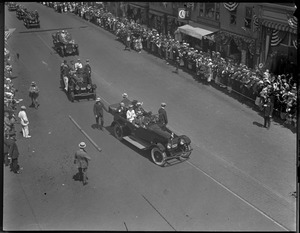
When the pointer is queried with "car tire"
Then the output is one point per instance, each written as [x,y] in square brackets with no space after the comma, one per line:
[118,132]
[186,155]
[158,156]
[72,97]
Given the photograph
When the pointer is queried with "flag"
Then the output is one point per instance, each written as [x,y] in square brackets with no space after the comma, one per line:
[293,22]
[275,40]
[231,6]
[255,23]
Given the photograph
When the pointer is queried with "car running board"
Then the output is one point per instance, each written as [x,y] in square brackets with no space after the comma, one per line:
[135,143]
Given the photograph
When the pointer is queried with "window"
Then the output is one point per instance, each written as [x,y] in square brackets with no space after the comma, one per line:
[233,17]
[210,10]
[248,17]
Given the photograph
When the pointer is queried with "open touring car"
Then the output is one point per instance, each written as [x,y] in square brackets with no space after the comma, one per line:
[31,20]
[64,44]
[150,135]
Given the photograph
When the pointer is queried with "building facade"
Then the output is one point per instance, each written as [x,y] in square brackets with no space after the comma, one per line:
[240,31]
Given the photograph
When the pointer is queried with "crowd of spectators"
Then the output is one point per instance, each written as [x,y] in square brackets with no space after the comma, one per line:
[256,84]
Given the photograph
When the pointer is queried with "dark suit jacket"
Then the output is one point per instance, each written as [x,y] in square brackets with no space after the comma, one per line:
[268,110]
[13,148]
[163,118]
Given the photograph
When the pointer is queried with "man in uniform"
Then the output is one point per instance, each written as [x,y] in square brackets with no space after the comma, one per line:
[268,111]
[13,153]
[82,161]
[34,93]
[87,68]
[162,114]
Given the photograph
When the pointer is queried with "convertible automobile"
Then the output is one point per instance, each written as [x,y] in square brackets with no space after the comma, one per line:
[64,44]
[150,135]
[79,86]
[12,6]
[21,12]
[31,20]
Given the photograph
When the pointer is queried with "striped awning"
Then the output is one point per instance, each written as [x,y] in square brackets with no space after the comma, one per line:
[278,26]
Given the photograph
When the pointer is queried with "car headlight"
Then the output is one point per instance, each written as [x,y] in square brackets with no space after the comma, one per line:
[89,86]
[77,88]
[181,142]
[169,146]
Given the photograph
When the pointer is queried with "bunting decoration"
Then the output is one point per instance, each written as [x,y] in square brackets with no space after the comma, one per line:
[293,22]
[275,40]
[255,26]
[231,6]
[8,33]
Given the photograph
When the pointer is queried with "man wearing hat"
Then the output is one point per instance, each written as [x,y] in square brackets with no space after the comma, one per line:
[33,94]
[13,153]
[130,114]
[87,68]
[82,161]
[24,122]
[162,115]
[78,65]
[98,112]
[268,111]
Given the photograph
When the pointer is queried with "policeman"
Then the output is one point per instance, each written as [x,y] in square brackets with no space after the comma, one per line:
[87,68]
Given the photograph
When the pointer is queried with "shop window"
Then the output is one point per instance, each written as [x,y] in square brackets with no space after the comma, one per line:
[233,17]
[248,17]
[210,10]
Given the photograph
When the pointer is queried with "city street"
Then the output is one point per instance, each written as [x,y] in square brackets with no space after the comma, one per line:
[239,178]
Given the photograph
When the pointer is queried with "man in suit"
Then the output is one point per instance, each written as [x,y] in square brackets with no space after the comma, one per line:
[98,112]
[13,153]
[82,161]
[268,111]
[162,114]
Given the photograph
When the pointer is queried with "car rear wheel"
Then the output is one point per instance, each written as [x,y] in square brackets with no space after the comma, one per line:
[158,157]
[118,132]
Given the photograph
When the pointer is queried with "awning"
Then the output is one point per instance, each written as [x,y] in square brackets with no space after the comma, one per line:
[137,6]
[197,32]
[278,26]
[156,13]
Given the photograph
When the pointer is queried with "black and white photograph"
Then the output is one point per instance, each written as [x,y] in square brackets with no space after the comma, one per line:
[150,116]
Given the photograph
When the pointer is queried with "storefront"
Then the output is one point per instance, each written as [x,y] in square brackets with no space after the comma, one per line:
[137,13]
[279,47]
[157,21]
[236,48]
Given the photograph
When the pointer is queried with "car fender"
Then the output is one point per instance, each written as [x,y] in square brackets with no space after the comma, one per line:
[161,146]
[186,139]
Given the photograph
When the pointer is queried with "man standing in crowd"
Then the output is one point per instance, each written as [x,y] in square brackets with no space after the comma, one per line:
[33,94]
[98,112]
[24,122]
[268,111]
[82,161]
[162,114]
[13,152]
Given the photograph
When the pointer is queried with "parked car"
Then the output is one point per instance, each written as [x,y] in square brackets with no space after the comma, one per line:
[64,44]
[163,144]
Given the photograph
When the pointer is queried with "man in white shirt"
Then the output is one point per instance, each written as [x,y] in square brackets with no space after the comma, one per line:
[78,65]
[24,122]
[130,113]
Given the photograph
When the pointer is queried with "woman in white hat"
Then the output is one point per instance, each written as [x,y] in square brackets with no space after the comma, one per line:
[24,122]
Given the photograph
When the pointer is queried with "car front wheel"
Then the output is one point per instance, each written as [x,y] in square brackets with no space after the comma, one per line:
[118,132]
[186,152]
[158,157]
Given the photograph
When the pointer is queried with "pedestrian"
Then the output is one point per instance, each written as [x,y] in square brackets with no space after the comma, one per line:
[13,152]
[177,63]
[98,112]
[82,161]
[24,122]
[127,44]
[162,115]
[267,111]
[87,68]
[34,94]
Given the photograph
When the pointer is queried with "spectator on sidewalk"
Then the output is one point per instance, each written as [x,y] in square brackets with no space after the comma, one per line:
[13,152]
[34,94]
[24,122]
[82,161]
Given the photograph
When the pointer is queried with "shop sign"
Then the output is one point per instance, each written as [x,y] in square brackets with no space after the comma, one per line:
[183,13]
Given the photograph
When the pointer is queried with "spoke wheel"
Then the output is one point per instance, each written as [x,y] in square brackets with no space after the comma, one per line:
[118,132]
[158,157]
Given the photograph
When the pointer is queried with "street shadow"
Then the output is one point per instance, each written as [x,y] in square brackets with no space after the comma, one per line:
[258,124]
[77,177]
[13,77]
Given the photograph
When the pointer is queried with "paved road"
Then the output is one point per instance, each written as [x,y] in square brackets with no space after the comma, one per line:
[239,176]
